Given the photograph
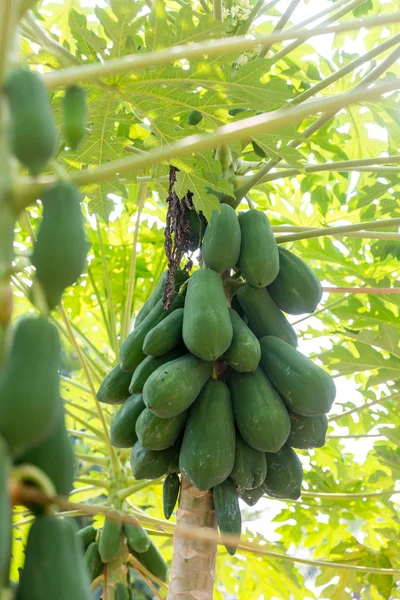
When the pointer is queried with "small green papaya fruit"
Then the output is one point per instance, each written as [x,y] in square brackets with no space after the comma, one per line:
[195,117]
[74,115]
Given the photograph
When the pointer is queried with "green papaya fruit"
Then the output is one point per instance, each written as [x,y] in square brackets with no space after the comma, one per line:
[152,464]
[32,130]
[29,385]
[154,561]
[86,536]
[131,353]
[227,509]
[122,429]
[221,243]
[306,389]
[110,539]
[158,292]
[5,515]
[307,432]
[165,336]
[296,289]
[198,225]
[195,117]
[207,327]
[265,318]
[208,448]
[284,474]
[149,365]
[137,538]
[59,254]
[158,434]
[114,388]
[93,562]
[259,258]
[251,497]
[173,387]
[74,115]
[261,416]
[122,592]
[54,562]
[171,488]
[244,353]
[55,457]
[235,304]
[250,466]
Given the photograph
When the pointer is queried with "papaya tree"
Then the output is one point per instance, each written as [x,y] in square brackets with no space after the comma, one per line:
[199,333]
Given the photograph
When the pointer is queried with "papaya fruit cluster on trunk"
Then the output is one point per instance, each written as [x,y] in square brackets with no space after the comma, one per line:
[33,435]
[215,388]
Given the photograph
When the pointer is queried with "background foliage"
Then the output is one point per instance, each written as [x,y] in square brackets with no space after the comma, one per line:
[348,512]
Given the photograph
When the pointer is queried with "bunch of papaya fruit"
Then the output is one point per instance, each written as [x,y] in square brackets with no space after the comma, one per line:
[34,441]
[214,388]
[120,539]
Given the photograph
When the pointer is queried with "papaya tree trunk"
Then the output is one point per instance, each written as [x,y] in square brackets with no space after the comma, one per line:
[193,563]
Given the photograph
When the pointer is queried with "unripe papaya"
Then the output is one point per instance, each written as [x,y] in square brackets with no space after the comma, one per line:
[251,497]
[55,457]
[207,327]
[284,474]
[86,536]
[307,432]
[158,292]
[250,466]
[114,388]
[158,434]
[259,258]
[149,365]
[93,562]
[198,226]
[60,252]
[195,117]
[152,464]
[74,115]
[154,561]
[32,130]
[29,385]
[227,509]
[221,243]
[296,289]
[122,429]
[208,448]
[110,539]
[137,538]
[244,353]
[165,336]
[131,352]
[171,487]
[54,563]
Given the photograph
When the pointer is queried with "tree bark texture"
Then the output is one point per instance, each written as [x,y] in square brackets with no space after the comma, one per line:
[193,563]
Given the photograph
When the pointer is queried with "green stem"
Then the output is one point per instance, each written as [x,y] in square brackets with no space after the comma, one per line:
[100,356]
[107,282]
[106,436]
[205,6]
[291,47]
[74,383]
[139,62]
[367,405]
[280,25]
[234,132]
[355,436]
[80,407]
[141,198]
[326,231]
[217,9]
[132,489]
[101,304]
[321,310]
[84,434]
[8,21]
[353,165]
[97,432]
[90,458]
[102,483]
[347,496]
[360,290]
